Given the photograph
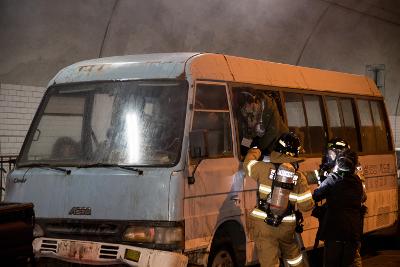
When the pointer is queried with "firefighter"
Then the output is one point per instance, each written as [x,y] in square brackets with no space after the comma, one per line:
[333,148]
[281,189]
[341,226]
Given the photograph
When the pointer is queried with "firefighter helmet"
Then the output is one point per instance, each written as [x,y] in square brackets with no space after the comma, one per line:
[289,144]
[333,147]
[337,143]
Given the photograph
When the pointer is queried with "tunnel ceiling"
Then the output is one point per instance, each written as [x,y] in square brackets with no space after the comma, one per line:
[39,37]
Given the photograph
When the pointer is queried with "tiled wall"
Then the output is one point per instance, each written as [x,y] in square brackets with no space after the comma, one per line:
[18,104]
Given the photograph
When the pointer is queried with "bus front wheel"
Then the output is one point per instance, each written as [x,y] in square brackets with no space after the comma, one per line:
[222,256]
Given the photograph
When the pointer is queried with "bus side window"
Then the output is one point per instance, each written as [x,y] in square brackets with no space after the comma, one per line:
[374,134]
[304,116]
[341,120]
[368,138]
[296,118]
[334,118]
[211,119]
[315,123]
[247,103]
[380,126]
[350,129]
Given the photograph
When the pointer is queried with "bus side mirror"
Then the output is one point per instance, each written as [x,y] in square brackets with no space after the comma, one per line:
[191,178]
[198,150]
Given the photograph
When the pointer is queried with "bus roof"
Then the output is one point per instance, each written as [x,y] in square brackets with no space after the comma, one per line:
[218,67]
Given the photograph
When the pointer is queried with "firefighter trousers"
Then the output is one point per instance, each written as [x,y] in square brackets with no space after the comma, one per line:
[274,242]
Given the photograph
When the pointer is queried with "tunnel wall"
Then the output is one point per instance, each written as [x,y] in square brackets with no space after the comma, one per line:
[39,37]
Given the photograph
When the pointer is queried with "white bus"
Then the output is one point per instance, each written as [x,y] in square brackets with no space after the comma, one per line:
[137,160]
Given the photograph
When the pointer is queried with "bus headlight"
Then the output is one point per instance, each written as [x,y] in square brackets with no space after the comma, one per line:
[157,235]
[37,231]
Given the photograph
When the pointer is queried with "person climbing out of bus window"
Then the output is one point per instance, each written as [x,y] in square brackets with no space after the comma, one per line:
[333,148]
[281,190]
[341,226]
[65,148]
[260,121]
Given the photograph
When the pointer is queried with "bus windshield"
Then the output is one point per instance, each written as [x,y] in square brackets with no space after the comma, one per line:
[136,123]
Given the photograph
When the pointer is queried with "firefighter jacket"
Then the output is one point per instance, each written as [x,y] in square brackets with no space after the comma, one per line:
[263,173]
[343,218]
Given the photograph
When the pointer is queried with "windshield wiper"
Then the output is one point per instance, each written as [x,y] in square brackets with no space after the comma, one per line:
[125,167]
[48,166]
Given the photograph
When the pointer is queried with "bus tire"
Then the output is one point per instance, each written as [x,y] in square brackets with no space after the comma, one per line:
[222,256]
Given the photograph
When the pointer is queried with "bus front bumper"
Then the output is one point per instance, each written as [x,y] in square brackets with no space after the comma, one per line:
[98,253]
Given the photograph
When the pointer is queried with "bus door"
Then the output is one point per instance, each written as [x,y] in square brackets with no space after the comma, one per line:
[213,192]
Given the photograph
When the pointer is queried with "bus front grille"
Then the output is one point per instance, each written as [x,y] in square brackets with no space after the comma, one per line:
[49,245]
[108,252]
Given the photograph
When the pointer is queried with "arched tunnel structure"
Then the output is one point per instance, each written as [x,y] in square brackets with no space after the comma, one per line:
[38,38]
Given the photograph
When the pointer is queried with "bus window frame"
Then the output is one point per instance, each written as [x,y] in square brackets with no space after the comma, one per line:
[193,108]
[256,87]
[282,109]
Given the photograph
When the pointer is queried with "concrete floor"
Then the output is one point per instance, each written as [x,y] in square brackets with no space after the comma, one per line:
[382,248]
[387,258]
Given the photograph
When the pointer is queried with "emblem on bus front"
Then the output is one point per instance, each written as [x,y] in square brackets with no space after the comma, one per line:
[80,211]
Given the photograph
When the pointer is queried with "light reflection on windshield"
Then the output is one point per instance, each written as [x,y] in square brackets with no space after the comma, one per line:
[128,123]
[133,137]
